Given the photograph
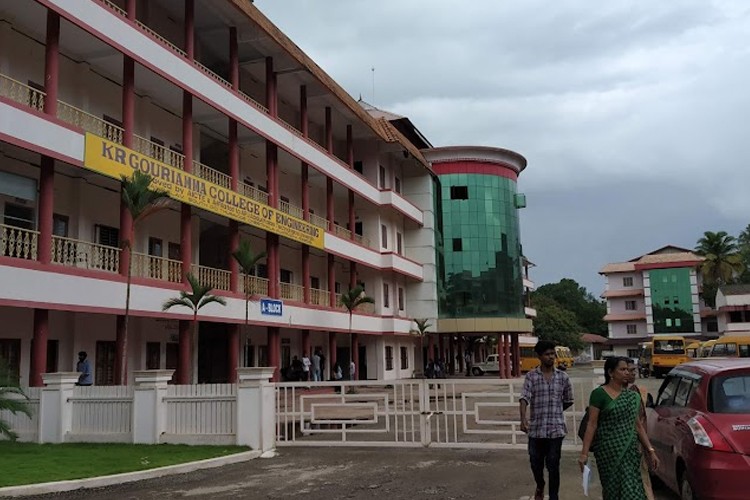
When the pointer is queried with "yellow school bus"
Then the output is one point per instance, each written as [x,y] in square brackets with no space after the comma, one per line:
[705,350]
[529,359]
[731,346]
[669,351]
[564,357]
[693,349]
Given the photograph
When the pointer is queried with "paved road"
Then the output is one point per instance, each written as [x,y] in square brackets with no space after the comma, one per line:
[356,473]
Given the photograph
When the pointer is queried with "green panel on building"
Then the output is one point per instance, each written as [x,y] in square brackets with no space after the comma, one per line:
[672,300]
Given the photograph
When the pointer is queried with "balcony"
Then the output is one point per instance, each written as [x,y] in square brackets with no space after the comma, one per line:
[28,96]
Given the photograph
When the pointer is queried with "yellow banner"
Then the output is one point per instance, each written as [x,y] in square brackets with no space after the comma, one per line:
[114,160]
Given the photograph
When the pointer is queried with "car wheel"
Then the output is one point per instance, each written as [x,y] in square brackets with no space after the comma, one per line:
[686,489]
[477,372]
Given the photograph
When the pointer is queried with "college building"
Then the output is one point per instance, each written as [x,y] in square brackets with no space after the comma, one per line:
[253,142]
[656,293]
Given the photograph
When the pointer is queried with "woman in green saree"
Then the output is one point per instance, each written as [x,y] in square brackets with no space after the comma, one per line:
[613,432]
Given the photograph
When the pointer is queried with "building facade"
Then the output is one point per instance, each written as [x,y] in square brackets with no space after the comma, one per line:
[485,273]
[253,141]
[656,293]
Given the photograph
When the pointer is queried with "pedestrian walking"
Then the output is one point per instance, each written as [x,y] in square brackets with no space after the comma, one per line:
[547,392]
[613,431]
[641,391]
[352,370]
[84,368]
[467,362]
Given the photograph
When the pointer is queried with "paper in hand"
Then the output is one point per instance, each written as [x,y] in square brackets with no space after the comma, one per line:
[586,479]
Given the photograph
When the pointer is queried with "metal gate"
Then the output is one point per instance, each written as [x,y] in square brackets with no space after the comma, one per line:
[453,413]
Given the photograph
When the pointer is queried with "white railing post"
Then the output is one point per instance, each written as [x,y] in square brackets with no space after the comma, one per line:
[425,429]
[256,408]
[149,408]
[55,407]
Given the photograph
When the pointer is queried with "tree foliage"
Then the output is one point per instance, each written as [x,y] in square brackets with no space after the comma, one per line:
[587,310]
[13,400]
[351,300]
[723,259]
[559,325]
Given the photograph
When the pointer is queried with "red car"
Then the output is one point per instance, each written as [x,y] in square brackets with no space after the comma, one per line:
[700,428]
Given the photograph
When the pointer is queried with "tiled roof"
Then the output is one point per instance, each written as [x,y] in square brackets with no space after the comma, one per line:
[592,338]
[277,36]
[741,289]
[661,257]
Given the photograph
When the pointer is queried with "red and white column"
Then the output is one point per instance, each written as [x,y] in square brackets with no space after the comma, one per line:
[39,345]
[305,190]
[272,240]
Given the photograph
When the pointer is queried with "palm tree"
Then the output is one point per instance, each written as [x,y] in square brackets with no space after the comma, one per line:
[723,259]
[247,260]
[140,201]
[10,403]
[352,299]
[421,331]
[194,300]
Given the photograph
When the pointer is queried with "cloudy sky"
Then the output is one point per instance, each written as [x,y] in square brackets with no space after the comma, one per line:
[630,113]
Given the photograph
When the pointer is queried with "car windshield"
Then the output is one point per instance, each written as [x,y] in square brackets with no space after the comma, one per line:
[675,346]
[731,393]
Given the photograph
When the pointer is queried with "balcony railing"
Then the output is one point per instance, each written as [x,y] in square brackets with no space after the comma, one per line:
[212,175]
[342,232]
[86,255]
[89,122]
[318,297]
[256,286]
[158,152]
[216,278]
[290,291]
[21,93]
[365,242]
[254,193]
[18,243]
[291,209]
[319,221]
[159,268]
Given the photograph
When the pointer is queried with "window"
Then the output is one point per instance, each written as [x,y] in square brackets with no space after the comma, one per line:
[10,359]
[744,351]
[404,358]
[386,296]
[397,185]
[735,317]
[173,251]
[677,322]
[153,355]
[400,299]
[627,281]
[60,224]
[155,247]
[384,236]
[634,353]
[18,216]
[337,287]
[630,305]
[632,329]
[388,358]
[666,394]
[666,301]
[712,326]
[107,236]
[262,270]
[684,391]
[459,193]
[104,367]
[112,121]
[675,300]
[399,244]
[668,322]
[315,282]
[730,394]
[358,167]
[381,174]
[285,276]
[458,245]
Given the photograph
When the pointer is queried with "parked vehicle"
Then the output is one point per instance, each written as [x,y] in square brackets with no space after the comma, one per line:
[706,348]
[692,349]
[731,346]
[564,358]
[491,364]
[668,352]
[700,428]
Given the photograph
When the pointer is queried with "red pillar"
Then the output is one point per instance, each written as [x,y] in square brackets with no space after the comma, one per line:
[186,213]
[121,352]
[354,355]
[39,346]
[506,353]
[350,162]
[306,346]
[352,274]
[430,348]
[130,9]
[460,354]
[306,274]
[128,118]
[331,353]
[516,354]
[233,358]
[441,346]
[271,101]
[272,181]
[274,351]
[46,208]
[234,227]
[331,282]
[190,29]
[330,205]
[185,353]
[52,62]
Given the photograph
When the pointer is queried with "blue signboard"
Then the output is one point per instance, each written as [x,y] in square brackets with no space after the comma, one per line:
[271,307]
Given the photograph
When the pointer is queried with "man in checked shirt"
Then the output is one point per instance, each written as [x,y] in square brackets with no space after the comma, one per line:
[548,392]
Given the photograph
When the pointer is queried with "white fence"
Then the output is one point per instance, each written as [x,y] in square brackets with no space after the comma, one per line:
[201,413]
[27,428]
[454,413]
[101,414]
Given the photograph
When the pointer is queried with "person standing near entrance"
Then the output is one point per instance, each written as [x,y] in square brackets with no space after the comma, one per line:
[84,368]
[316,366]
[548,392]
[352,370]
[306,367]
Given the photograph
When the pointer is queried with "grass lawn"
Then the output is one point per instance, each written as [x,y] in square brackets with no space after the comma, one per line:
[25,463]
